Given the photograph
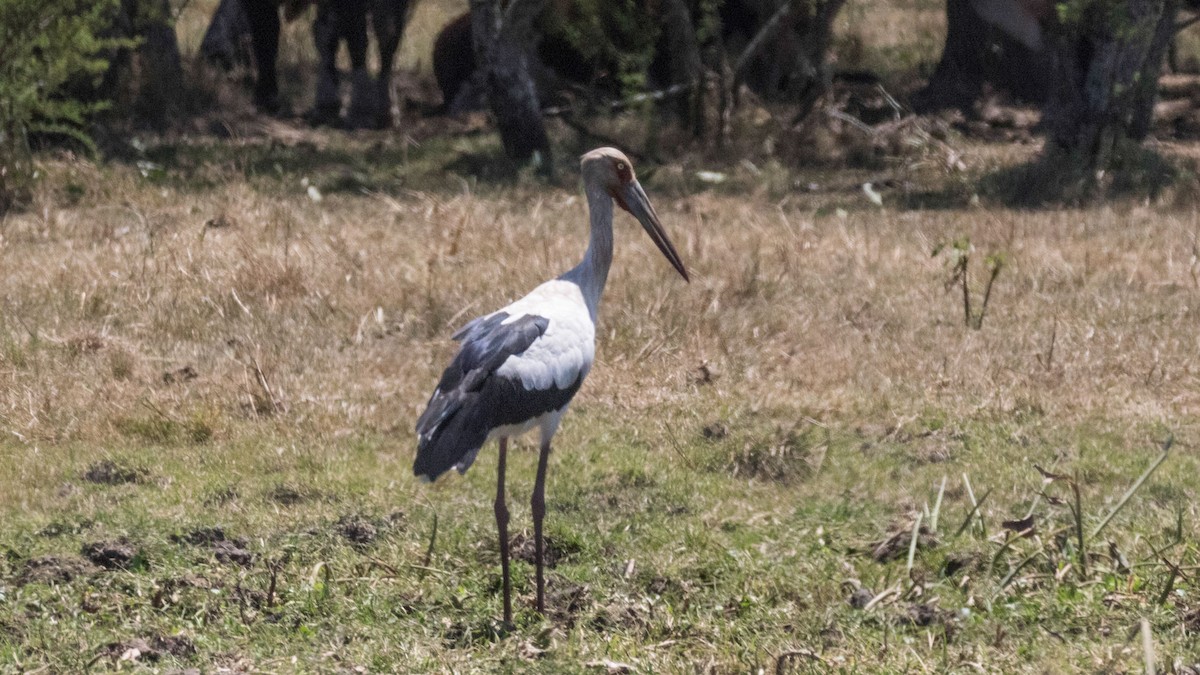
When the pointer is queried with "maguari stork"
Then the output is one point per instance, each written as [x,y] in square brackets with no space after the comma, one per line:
[518,368]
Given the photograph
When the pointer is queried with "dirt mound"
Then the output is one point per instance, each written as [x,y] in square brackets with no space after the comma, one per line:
[358,530]
[113,555]
[153,649]
[230,553]
[553,552]
[108,472]
[227,550]
[53,569]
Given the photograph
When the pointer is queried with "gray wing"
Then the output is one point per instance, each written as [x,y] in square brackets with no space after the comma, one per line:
[463,408]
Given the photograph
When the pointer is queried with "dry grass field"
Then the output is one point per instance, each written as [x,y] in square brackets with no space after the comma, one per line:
[212,356]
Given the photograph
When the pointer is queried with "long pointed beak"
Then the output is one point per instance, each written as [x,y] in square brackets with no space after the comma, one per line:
[633,198]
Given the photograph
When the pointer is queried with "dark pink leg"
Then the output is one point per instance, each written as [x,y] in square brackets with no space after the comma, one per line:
[539,512]
[502,526]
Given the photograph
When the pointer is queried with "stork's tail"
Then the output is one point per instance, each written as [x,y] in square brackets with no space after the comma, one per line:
[449,441]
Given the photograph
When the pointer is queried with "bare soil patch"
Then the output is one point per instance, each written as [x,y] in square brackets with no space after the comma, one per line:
[109,472]
[112,555]
[54,569]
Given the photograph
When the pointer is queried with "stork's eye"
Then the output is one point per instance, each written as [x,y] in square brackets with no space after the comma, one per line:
[620,166]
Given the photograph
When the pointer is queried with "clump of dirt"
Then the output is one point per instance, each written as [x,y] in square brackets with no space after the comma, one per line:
[672,588]
[621,615]
[290,495]
[201,536]
[358,530]
[959,561]
[184,374]
[779,457]
[566,601]
[1191,621]
[459,634]
[86,343]
[108,472]
[553,551]
[896,543]
[221,496]
[167,589]
[861,597]
[230,553]
[113,555]
[153,649]
[53,569]
[715,431]
[220,222]
[11,629]
[227,550]
[920,614]
[59,528]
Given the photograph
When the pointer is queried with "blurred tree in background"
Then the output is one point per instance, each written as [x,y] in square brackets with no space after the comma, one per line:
[500,37]
[1108,55]
[44,46]
[64,62]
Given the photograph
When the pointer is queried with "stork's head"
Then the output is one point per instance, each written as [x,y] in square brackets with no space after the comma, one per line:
[610,170]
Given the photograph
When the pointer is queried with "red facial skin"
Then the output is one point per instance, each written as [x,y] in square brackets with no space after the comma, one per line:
[624,174]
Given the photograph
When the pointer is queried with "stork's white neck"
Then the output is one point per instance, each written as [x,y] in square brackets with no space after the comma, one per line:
[592,273]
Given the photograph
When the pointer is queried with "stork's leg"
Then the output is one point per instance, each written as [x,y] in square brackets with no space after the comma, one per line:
[502,527]
[539,511]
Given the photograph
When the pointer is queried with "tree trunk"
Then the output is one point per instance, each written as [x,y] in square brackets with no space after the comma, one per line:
[779,49]
[501,42]
[686,67]
[160,68]
[992,41]
[814,29]
[1106,69]
[145,83]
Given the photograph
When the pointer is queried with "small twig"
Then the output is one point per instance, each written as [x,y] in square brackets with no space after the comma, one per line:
[1013,572]
[912,545]
[676,447]
[756,43]
[376,562]
[1078,510]
[887,592]
[1147,647]
[627,102]
[1049,362]
[975,504]
[241,598]
[794,654]
[960,269]
[266,387]
[937,507]
[851,120]
[897,109]
[432,540]
[1136,485]
[156,410]
[1170,585]
[987,292]
[274,566]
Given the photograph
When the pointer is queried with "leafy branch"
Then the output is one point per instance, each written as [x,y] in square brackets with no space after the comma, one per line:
[959,253]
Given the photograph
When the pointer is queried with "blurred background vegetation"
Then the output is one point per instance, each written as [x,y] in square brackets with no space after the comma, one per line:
[788,81]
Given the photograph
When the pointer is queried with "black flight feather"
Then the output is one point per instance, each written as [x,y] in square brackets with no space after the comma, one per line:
[471,399]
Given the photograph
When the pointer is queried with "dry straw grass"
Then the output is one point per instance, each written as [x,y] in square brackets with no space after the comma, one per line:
[194,344]
[341,308]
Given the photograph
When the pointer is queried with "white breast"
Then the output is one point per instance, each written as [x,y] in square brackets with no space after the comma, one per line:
[565,352]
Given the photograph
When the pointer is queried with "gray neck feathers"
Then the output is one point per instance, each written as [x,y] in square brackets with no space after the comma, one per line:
[592,273]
